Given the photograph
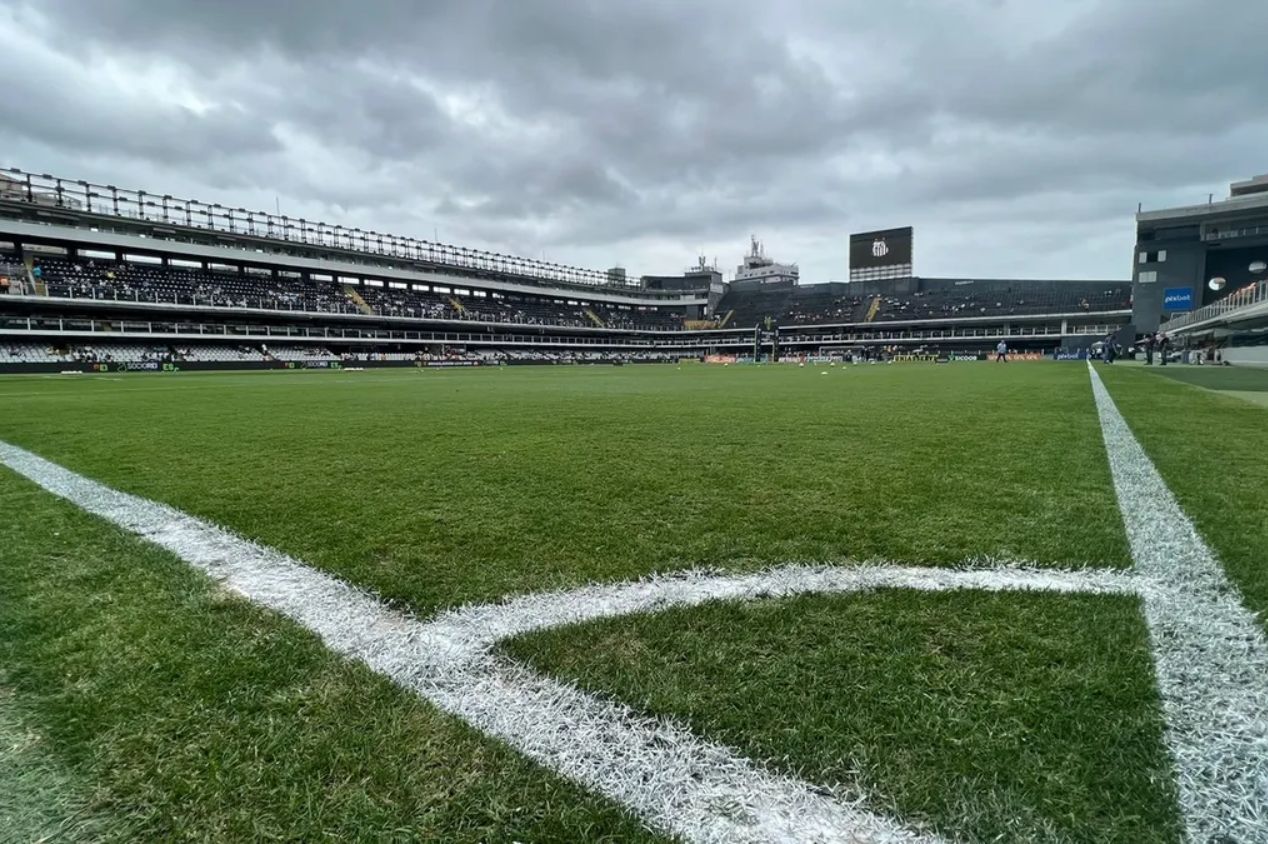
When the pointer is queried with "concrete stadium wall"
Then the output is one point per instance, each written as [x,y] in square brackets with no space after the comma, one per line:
[1246,355]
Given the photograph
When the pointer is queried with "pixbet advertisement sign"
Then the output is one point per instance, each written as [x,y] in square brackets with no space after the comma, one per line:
[1177,299]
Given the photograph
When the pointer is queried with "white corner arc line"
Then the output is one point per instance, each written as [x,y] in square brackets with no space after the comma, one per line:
[1210,654]
[674,780]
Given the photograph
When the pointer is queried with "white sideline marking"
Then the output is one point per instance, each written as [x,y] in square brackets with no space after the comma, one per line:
[1210,654]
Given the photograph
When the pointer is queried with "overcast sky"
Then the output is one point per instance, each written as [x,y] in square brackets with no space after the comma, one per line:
[1017,137]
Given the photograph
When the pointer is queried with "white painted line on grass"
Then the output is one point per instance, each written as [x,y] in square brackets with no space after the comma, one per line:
[482,626]
[675,781]
[1210,654]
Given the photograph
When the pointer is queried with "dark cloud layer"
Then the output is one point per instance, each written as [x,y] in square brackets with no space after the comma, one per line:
[1017,136]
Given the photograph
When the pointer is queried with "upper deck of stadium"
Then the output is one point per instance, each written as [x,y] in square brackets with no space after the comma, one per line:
[49,208]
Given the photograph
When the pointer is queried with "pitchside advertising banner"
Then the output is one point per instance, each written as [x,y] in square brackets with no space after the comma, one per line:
[1177,299]
[883,248]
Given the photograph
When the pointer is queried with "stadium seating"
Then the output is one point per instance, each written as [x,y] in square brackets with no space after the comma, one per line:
[933,299]
[299,353]
[1004,298]
[154,283]
[31,353]
[111,352]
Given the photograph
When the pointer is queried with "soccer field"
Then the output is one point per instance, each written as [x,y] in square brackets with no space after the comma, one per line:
[1021,701]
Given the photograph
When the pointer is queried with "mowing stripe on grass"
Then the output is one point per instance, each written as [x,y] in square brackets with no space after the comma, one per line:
[1209,652]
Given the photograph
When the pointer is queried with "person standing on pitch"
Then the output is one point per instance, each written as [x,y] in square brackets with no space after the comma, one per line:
[1163,342]
[1001,352]
[1149,349]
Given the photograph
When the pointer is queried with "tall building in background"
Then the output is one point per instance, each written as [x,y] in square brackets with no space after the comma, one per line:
[760,269]
[881,254]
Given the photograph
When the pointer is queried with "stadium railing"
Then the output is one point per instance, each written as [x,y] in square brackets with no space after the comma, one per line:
[1252,294]
[77,195]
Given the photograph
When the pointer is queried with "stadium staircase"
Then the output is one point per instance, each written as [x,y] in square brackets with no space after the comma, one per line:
[726,318]
[37,284]
[355,295]
[873,309]
[457,304]
[595,318]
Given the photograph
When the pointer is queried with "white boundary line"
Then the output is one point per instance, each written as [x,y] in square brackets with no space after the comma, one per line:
[1210,654]
[1207,650]
[674,780]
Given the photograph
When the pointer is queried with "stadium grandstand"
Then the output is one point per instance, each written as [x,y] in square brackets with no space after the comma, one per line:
[96,275]
[1200,274]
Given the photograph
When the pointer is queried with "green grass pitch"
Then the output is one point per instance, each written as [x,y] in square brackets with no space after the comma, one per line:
[154,705]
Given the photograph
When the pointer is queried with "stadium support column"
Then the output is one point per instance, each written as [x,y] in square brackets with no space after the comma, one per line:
[757,342]
[774,344]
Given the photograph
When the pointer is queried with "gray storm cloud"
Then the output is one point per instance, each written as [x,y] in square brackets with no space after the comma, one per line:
[1016,136]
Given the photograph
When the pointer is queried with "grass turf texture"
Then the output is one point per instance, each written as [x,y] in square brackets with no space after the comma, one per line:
[1239,379]
[1212,450]
[39,799]
[192,715]
[437,488]
[992,716]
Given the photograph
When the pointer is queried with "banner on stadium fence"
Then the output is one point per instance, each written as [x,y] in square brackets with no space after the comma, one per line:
[720,359]
[311,364]
[131,366]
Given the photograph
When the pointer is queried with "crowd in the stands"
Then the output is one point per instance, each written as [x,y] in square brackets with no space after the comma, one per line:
[826,304]
[132,353]
[148,282]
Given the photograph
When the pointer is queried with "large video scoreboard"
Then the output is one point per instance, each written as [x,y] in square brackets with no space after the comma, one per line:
[881,254]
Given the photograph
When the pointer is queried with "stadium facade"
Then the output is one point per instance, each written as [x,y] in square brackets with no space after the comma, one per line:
[1199,253]
[1200,272]
[96,274]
